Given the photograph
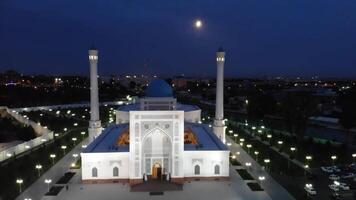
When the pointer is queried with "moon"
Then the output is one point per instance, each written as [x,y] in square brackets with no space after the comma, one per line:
[198,23]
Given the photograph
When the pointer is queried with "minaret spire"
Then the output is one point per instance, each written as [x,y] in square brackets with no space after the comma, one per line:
[219,124]
[94,123]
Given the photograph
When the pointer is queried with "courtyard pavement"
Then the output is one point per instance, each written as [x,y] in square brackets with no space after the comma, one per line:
[235,189]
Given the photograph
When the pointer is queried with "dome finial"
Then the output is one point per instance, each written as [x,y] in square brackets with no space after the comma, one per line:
[92,47]
[220,49]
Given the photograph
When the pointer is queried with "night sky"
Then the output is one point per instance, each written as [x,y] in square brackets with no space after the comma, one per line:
[261,37]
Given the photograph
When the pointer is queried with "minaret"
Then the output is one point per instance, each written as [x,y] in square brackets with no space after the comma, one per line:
[219,124]
[94,123]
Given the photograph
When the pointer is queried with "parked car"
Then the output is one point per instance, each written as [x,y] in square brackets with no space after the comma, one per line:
[334,177]
[335,195]
[344,186]
[327,169]
[310,190]
[334,187]
[348,175]
[335,168]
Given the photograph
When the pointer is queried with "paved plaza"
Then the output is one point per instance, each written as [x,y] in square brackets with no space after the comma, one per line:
[236,188]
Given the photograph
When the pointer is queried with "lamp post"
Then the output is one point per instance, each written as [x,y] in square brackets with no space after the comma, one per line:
[39,167]
[280,143]
[74,139]
[83,134]
[292,149]
[267,161]
[52,156]
[248,147]
[19,181]
[64,147]
[333,158]
[353,157]
[306,167]
[256,153]
[308,159]
[261,178]
[235,136]
[253,130]
[269,136]
[242,142]
[248,165]
[48,181]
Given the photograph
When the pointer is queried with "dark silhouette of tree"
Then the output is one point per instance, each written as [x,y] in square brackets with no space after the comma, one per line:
[296,108]
[347,101]
[260,105]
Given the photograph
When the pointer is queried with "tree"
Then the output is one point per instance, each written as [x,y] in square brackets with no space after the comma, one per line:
[260,105]
[347,103]
[296,108]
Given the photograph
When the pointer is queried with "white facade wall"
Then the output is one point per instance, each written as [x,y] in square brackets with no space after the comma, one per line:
[122,117]
[192,116]
[207,161]
[105,162]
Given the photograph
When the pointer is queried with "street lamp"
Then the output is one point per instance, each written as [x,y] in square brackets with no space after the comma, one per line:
[39,167]
[308,158]
[253,130]
[235,136]
[269,136]
[64,147]
[280,142]
[19,181]
[248,165]
[333,158]
[267,161]
[353,157]
[52,156]
[256,153]
[48,181]
[261,178]
[83,134]
[306,167]
[84,146]
[74,139]
[75,155]
[248,147]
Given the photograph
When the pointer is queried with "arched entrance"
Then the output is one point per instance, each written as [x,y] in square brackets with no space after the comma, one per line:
[156,171]
[156,154]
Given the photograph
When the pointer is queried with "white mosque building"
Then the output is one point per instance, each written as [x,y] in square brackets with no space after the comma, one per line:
[156,138]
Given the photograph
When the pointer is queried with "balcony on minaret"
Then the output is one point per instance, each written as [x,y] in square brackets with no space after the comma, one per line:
[93,57]
[220,59]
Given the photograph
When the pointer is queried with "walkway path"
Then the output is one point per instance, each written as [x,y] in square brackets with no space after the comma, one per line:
[274,190]
[38,189]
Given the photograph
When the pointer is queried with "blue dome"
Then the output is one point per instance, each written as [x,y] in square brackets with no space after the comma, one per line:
[159,88]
